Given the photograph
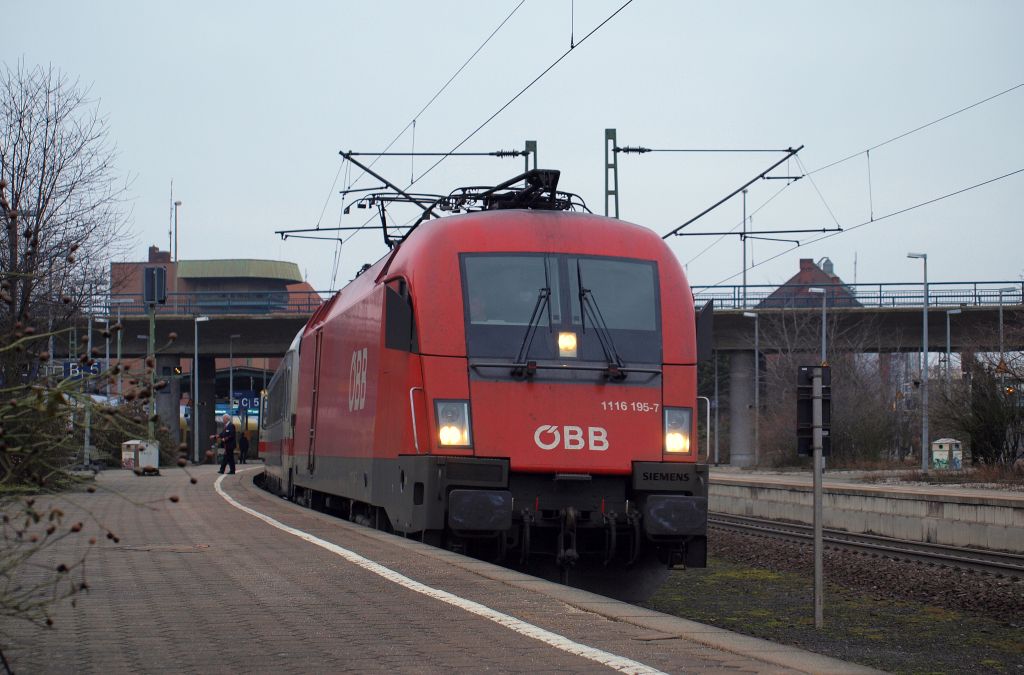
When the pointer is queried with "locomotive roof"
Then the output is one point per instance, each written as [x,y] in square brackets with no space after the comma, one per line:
[532,230]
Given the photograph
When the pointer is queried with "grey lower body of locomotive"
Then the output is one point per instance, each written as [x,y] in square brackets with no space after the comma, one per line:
[660,507]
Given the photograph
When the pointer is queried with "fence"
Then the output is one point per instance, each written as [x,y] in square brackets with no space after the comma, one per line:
[940,294]
[215,302]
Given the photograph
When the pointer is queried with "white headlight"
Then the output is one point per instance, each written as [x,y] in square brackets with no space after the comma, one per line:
[567,345]
[678,424]
[453,428]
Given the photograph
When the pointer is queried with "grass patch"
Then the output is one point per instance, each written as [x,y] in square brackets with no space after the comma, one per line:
[897,636]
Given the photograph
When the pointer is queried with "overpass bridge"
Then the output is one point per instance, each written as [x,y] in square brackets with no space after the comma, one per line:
[862,318]
[884,318]
[210,325]
[881,317]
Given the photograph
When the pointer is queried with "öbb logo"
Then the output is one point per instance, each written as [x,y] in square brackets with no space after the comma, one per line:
[549,437]
[357,380]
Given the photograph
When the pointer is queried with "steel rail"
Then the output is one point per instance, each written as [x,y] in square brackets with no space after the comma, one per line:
[978,560]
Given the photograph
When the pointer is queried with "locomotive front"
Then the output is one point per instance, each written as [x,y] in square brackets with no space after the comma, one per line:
[559,365]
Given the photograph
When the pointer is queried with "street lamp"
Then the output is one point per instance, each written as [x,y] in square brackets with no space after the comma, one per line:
[924,369]
[949,348]
[824,324]
[176,205]
[818,517]
[120,368]
[743,239]
[757,384]
[195,391]
[1001,368]
[106,358]
[231,371]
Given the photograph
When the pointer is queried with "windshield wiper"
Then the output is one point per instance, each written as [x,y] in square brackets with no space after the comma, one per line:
[589,304]
[521,367]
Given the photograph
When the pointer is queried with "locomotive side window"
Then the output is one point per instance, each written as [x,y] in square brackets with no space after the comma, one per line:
[399,322]
[504,294]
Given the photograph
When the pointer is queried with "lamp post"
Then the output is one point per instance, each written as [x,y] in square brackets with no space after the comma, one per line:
[824,324]
[924,367]
[231,371]
[949,348]
[106,357]
[715,356]
[743,239]
[87,459]
[120,332]
[195,391]
[818,514]
[1001,368]
[176,205]
[757,384]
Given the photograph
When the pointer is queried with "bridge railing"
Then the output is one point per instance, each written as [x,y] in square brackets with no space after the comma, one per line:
[215,302]
[940,294]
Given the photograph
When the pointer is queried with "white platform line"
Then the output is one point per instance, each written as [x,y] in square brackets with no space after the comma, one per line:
[612,661]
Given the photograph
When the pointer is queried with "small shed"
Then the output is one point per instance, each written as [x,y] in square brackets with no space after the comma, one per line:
[947,453]
[136,454]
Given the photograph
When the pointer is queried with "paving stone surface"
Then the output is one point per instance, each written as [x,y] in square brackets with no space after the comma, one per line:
[200,586]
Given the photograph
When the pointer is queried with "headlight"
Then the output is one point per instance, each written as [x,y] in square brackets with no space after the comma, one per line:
[567,345]
[678,423]
[453,428]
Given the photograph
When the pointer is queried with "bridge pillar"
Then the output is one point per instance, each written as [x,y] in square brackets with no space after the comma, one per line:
[167,400]
[204,416]
[741,408]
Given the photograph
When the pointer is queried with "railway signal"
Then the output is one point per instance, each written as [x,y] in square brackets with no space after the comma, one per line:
[805,410]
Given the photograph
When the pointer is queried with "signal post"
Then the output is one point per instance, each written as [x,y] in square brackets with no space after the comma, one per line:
[814,416]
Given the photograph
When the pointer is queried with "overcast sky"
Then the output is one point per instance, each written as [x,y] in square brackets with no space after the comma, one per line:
[246,105]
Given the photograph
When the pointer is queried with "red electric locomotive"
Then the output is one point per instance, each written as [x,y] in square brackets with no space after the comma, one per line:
[517,381]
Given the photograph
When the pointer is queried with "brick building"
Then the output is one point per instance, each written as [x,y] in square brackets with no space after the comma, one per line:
[796,291]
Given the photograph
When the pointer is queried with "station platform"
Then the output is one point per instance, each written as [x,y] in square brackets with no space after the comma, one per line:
[864,503]
[875,482]
[231,579]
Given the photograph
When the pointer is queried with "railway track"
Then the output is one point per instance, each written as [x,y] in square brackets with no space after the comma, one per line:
[976,560]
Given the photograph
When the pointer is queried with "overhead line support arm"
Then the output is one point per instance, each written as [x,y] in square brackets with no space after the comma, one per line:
[427,208]
[789,153]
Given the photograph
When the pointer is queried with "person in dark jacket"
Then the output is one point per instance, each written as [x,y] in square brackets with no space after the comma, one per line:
[227,441]
[243,447]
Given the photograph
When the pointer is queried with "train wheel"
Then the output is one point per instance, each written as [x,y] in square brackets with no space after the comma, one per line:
[432,538]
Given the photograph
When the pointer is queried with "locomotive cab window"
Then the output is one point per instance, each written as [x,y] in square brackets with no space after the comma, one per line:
[580,307]
[399,322]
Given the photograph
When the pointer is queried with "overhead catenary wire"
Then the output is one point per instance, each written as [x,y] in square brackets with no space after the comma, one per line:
[875,220]
[789,153]
[525,89]
[522,91]
[867,153]
[916,129]
[424,109]
[828,208]
[871,195]
[732,230]
[412,122]
[437,94]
